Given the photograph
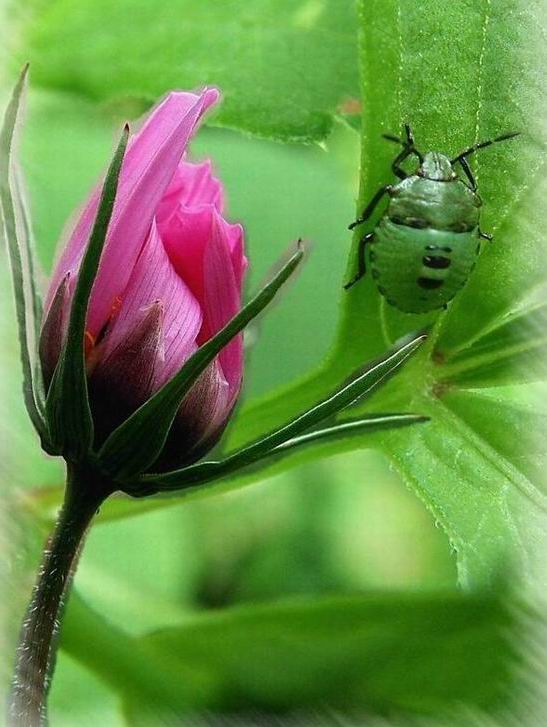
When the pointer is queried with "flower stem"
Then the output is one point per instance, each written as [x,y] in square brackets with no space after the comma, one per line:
[39,633]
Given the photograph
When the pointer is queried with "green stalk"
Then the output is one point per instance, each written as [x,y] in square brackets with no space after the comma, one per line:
[39,633]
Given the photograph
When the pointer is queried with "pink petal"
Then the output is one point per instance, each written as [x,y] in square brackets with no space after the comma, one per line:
[223,297]
[154,279]
[150,163]
[192,185]
[207,253]
[237,253]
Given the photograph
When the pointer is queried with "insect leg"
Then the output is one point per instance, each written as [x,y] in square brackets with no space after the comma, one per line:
[369,209]
[468,173]
[362,265]
[409,135]
[485,235]
[399,159]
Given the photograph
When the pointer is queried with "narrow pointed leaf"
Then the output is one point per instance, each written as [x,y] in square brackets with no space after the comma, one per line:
[135,445]
[373,375]
[373,423]
[68,411]
[28,239]
[199,474]
[18,250]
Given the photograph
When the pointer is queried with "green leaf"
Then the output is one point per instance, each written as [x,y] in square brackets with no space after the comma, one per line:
[16,228]
[379,654]
[482,77]
[135,671]
[135,445]
[415,654]
[285,68]
[21,204]
[360,387]
[493,331]
[68,412]
[476,468]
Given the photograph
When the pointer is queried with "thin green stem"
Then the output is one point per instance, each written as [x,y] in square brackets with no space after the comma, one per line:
[39,634]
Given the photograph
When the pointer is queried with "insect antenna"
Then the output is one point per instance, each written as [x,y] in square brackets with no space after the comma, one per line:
[482,144]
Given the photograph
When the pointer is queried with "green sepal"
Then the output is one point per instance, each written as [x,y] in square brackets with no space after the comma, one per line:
[135,445]
[16,229]
[363,384]
[349,428]
[67,408]
[204,472]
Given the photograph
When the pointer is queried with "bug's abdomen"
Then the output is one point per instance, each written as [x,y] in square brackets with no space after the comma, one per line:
[419,270]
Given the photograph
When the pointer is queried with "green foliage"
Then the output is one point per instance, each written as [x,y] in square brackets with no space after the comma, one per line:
[493,333]
[285,68]
[361,654]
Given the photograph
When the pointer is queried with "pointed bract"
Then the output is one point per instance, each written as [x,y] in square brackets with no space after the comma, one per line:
[15,227]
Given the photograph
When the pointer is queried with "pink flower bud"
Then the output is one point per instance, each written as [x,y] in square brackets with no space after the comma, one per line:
[170,278]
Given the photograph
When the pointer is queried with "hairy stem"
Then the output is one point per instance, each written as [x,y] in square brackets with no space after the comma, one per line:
[39,633]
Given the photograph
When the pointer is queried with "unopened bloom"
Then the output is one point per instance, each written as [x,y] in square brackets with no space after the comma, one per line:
[170,277]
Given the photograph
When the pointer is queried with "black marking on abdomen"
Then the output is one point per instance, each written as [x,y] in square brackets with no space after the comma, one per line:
[429,283]
[416,223]
[437,262]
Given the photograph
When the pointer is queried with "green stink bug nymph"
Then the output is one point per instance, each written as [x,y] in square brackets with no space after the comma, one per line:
[425,246]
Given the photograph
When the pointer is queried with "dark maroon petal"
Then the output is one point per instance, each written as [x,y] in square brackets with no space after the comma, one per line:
[202,414]
[123,379]
[53,330]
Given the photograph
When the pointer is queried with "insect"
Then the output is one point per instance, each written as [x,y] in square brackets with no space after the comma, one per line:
[425,246]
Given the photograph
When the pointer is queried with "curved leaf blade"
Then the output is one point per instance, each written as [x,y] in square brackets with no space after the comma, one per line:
[418,655]
[285,68]
[492,59]
[18,244]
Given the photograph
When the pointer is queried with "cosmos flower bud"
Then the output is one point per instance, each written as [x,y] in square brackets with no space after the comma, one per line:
[169,279]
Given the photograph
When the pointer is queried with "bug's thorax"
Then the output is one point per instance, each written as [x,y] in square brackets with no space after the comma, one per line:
[434,197]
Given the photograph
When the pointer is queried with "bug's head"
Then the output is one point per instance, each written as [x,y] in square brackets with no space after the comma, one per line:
[437,167]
